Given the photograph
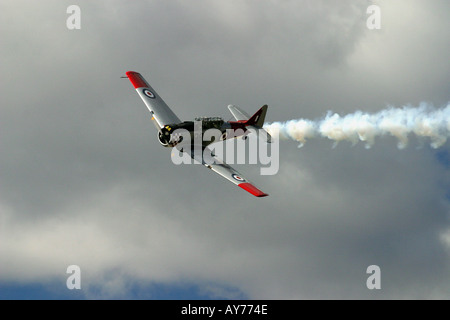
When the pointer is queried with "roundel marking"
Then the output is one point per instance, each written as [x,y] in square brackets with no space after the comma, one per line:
[148,93]
[237,177]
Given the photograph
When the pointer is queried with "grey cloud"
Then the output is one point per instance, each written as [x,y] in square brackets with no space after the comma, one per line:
[83,179]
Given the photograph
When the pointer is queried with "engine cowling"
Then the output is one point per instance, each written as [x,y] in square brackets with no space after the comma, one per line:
[163,140]
[172,134]
[169,140]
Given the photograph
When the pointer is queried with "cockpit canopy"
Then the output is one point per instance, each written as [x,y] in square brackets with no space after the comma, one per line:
[210,122]
[208,119]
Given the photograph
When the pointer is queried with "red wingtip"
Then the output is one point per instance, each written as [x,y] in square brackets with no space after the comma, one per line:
[252,189]
[136,79]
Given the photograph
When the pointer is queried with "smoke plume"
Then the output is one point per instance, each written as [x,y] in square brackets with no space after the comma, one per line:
[423,121]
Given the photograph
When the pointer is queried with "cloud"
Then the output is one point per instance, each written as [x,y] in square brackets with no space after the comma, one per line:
[84,181]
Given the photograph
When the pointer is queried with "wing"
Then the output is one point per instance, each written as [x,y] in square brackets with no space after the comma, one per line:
[205,157]
[238,113]
[158,108]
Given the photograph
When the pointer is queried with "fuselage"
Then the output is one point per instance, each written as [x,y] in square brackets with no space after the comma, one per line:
[205,130]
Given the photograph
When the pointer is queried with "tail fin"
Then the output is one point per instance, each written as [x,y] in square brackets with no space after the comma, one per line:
[256,122]
[257,119]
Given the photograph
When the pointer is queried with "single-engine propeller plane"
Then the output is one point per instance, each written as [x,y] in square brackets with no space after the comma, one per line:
[167,123]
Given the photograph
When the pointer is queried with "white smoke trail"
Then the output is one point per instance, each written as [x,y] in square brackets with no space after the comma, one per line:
[423,121]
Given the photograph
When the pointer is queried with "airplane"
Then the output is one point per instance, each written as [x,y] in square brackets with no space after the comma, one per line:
[167,123]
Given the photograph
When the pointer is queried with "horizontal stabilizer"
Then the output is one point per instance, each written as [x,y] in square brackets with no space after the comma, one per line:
[260,133]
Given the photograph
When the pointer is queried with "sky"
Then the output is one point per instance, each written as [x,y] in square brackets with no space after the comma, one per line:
[84,181]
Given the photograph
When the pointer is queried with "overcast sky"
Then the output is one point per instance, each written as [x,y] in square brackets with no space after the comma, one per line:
[84,181]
